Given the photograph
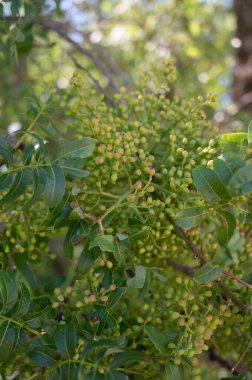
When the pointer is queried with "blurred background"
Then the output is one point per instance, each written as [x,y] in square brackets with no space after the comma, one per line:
[115,40]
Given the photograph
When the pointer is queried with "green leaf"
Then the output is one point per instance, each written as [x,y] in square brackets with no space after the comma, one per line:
[250,133]
[39,183]
[207,273]
[115,296]
[241,182]
[6,150]
[90,346]
[126,357]
[44,356]
[76,227]
[229,224]
[74,171]
[73,166]
[49,131]
[54,213]
[66,340]
[81,148]
[23,304]
[173,372]
[28,153]
[36,318]
[10,338]
[116,375]
[237,138]
[8,292]
[17,188]
[5,180]
[138,280]
[55,185]
[104,242]
[191,217]
[209,185]
[226,165]
[158,339]
[86,260]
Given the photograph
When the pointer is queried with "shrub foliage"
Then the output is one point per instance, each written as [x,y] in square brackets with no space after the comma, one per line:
[125,251]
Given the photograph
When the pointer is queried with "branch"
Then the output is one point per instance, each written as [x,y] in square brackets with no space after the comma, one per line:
[100,88]
[181,267]
[187,240]
[237,279]
[198,255]
[62,29]
[225,364]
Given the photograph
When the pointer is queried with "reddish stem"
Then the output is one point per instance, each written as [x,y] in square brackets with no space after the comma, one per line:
[237,279]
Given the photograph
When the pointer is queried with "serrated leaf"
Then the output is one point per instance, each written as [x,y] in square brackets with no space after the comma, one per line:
[158,339]
[229,224]
[6,150]
[191,217]
[126,357]
[17,188]
[241,182]
[226,165]
[55,185]
[173,372]
[104,242]
[138,280]
[66,340]
[39,183]
[8,292]
[81,148]
[207,273]
[209,185]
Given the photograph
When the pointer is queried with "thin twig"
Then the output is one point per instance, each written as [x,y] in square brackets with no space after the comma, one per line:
[237,279]
[100,88]
[62,29]
[213,356]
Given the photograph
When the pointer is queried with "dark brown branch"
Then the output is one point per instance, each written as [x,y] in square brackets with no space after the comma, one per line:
[213,356]
[187,240]
[198,255]
[62,29]
[96,82]
[189,271]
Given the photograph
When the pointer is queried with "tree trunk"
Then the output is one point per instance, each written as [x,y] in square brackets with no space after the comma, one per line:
[243,70]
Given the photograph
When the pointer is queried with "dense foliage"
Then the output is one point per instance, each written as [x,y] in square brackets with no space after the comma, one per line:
[125,234]
[152,274]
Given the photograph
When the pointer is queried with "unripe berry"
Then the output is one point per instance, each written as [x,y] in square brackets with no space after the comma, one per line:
[92,298]
[101,262]
[181,322]
[104,298]
[109,264]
